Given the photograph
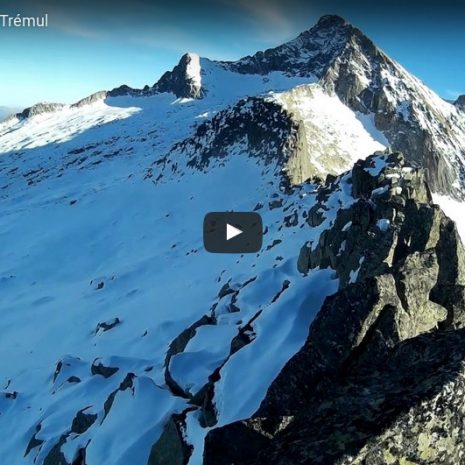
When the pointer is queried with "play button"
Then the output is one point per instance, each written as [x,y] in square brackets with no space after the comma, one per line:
[232,232]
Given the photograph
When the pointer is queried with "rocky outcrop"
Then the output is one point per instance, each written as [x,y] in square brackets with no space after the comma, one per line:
[171,448]
[345,62]
[184,80]
[303,56]
[256,126]
[414,120]
[95,97]
[408,409]
[373,382]
[39,109]
[460,102]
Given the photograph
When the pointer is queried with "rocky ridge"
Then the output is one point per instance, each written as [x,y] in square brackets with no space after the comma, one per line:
[372,383]
[414,120]
[345,62]
[460,102]
[401,285]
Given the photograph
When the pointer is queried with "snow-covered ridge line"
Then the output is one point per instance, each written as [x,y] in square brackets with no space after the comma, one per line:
[403,112]
[46,107]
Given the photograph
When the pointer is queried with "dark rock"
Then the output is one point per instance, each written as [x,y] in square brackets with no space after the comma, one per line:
[375,380]
[80,458]
[82,421]
[171,448]
[39,109]
[107,325]
[122,91]
[225,290]
[11,395]
[204,399]
[244,337]
[34,442]
[237,443]
[127,383]
[315,215]
[407,411]
[273,244]
[291,220]
[331,30]
[460,102]
[259,126]
[98,368]
[178,345]
[275,204]
[179,81]
[55,455]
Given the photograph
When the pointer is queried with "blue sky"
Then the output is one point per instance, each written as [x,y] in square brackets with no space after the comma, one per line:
[94,45]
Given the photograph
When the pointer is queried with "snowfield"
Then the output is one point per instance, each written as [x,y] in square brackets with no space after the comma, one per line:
[104,266]
[113,317]
[335,135]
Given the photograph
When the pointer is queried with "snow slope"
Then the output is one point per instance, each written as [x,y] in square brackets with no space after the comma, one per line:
[335,136]
[103,265]
[111,309]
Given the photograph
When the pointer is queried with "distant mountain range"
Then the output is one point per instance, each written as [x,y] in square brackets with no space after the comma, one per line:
[7,111]
[343,62]
[340,342]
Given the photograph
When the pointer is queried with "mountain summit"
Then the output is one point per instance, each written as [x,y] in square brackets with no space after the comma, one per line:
[185,80]
[310,54]
[344,63]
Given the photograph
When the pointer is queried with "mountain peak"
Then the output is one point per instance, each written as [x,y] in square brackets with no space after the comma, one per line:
[332,27]
[184,80]
[309,54]
[331,21]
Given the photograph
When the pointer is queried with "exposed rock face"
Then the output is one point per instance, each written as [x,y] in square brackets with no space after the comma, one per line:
[303,56]
[257,126]
[184,80]
[82,422]
[171,449]
[363,388]
[460,103]
[347,63]
[414,120]
[40,108]
[123,90]
[97,96]
[408,409]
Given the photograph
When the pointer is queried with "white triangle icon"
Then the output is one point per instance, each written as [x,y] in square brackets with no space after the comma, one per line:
[231,231]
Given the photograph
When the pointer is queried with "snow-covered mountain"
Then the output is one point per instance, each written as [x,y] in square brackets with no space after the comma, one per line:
[118,329]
